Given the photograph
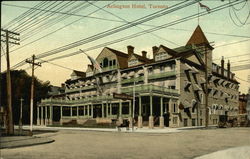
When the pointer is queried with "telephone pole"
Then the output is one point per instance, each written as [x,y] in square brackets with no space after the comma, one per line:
[9,37]
[21,116]
[32,62]
[206,89]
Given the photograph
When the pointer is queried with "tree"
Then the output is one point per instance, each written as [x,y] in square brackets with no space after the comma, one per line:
[21,83]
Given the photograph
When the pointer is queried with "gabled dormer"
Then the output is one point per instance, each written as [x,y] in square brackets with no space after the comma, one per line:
[135,59]
[77,74]
[164,53]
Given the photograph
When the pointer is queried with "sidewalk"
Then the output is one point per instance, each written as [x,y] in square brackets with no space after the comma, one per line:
[125,130]
[231,153]
[21,141]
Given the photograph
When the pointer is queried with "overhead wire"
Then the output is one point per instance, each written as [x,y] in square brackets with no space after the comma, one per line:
[55,20]
[143,32]
[118,40]
[48,34]
[123,22]
[34,18]
[22,16]
[135,25]
[45,19]
[117,29]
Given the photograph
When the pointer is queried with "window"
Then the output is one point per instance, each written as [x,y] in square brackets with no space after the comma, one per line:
[110,63]
[185,122]
[193,122]
[114,62]
[162,68]
[174,107]
[175,120]
[105,62]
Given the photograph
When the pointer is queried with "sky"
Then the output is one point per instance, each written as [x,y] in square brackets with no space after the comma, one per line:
[74,28]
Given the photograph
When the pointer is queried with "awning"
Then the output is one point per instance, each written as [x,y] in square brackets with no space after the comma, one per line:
[203,80]
[132,73]
[187,84]
[186,104]
[197,87]
[140,72]
[187,68]
[124,75]
[194,70]
[87,82]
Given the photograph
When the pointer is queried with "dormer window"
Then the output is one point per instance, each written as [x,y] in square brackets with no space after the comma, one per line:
[105,62]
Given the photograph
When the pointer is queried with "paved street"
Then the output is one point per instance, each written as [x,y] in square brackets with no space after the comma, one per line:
[114,145]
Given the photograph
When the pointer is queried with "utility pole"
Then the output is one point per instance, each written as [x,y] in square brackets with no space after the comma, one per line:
[9,39]
[32,62]
[21,116]
[206,89]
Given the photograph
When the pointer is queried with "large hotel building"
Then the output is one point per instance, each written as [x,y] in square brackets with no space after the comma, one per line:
[165,91]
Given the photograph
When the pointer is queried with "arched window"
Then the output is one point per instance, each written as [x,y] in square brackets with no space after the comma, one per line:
[105,62]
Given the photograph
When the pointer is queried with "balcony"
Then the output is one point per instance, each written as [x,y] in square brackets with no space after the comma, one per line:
[104,69]
[131,80]
[162,75]
[72,102]
[79,89]
[149,88]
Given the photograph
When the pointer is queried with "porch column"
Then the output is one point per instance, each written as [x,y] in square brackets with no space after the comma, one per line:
[107,109]
[88,111]
[61,114]
[71,112]
[161,117]
[102,110]
[110,105]
[92,110]
[170,111]
[77,111]
[151,118]
[51,115]
[84,110]
[120,112]
[140,114]
[42,120]
[38,116]
[46,115]
[130,119]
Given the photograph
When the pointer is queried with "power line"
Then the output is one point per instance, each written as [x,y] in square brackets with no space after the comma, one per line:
[22,16]
[154,29]
[228,57]
[57,30]
[117,29]
[54,21]
[55,64]
[233,43]
[141,33]
[35,16]
[135,25]
[123,22]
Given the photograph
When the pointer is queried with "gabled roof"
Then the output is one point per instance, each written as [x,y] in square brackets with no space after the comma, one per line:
[168,50]
[197,37]
[79,73]
[118,53]
[121,57]
[142,59]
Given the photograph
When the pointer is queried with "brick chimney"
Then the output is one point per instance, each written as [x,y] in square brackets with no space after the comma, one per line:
[228,69]
[130,50]
[154,48]
[222,66]
[63,85]
[144,54]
